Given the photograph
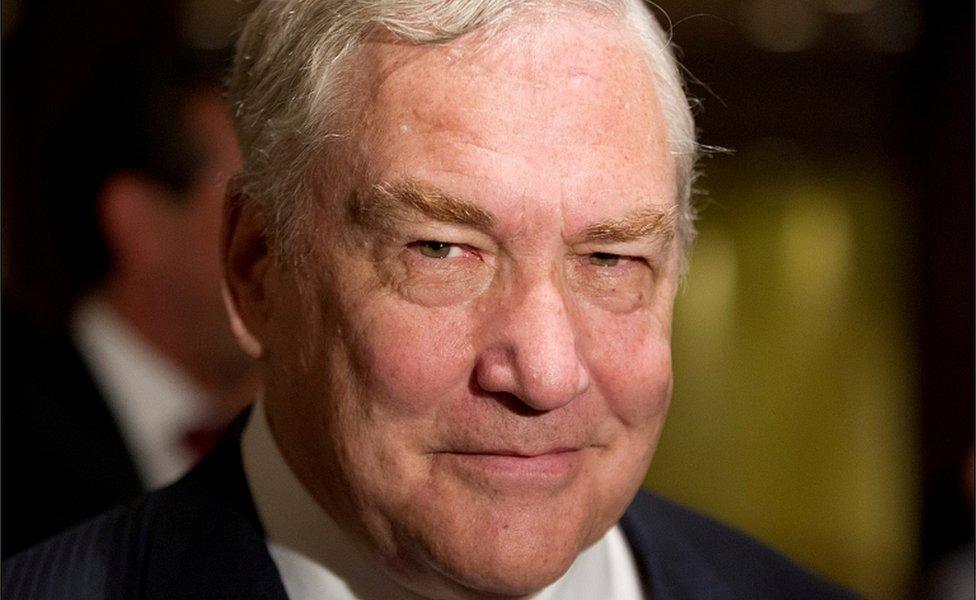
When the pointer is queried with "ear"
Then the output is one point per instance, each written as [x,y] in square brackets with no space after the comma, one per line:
[247,263]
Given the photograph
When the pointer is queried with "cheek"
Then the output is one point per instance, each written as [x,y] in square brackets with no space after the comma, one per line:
[414,361]
[630,361]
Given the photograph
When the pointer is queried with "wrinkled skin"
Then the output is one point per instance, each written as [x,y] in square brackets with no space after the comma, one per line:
[477,411]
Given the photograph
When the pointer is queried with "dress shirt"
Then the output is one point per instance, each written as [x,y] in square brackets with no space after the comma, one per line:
[316,559]
[153,402]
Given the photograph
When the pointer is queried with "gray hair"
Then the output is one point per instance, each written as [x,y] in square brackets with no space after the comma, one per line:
[290,80]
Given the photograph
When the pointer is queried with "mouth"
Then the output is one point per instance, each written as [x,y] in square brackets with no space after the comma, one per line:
[547,469]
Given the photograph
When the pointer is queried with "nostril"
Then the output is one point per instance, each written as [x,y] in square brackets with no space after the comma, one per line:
[510,401]
[532,382]
[518,406]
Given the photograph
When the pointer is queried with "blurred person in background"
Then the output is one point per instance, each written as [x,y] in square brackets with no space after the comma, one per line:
[131,391]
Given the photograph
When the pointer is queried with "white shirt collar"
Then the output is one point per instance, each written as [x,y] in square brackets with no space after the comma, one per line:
[317,560]
[152,400]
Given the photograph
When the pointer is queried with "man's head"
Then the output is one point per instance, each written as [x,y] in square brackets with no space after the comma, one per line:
[147,115]
[137,181]
[462,292]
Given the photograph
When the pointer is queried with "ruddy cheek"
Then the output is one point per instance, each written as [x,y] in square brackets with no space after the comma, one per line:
[632,365]
[416,358]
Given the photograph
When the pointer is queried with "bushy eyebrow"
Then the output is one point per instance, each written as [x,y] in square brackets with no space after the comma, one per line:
[643,223]
[383,204]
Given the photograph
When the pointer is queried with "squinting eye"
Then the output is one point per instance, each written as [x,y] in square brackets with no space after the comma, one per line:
[603,259]
[434,249]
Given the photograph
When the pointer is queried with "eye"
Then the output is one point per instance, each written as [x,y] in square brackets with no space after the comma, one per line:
[604,259]
[435,249]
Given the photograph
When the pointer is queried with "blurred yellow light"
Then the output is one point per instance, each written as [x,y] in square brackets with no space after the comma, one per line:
[711,296]
[816,250]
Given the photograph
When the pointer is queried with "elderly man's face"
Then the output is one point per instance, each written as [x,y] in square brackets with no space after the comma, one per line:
[479,394]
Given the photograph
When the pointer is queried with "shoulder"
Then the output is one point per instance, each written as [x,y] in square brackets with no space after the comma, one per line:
[87,561]
[63,456]
[198,538]
[684,554]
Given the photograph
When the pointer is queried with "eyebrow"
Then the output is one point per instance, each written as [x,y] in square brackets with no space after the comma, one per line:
[646,222]
[384,203]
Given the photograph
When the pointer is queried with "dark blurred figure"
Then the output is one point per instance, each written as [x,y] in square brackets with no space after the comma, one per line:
[129,390]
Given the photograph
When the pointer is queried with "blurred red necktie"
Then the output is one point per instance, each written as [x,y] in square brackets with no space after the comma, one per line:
[200,440]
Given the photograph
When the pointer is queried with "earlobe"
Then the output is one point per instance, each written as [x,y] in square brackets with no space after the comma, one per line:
[245,339]
[246,261]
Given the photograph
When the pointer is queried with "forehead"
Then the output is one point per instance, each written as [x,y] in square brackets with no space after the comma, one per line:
[553,108]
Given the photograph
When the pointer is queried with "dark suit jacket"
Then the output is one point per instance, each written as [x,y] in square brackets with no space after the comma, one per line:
[201,538]
[63,457]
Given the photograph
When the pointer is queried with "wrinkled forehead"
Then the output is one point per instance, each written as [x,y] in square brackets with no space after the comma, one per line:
[577,82]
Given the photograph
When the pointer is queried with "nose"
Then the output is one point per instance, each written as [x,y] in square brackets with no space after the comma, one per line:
[532,351]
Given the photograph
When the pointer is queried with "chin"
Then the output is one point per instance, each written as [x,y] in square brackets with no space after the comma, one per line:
[516,576]
[507,549]
[513,574]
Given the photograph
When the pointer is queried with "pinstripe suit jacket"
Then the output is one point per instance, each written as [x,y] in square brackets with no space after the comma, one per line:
[58,434]
[201,538]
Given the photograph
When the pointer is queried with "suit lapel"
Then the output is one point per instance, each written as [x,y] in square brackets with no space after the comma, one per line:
[209,542]
[671,567]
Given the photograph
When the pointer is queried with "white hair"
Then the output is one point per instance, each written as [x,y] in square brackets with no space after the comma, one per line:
[290,80]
